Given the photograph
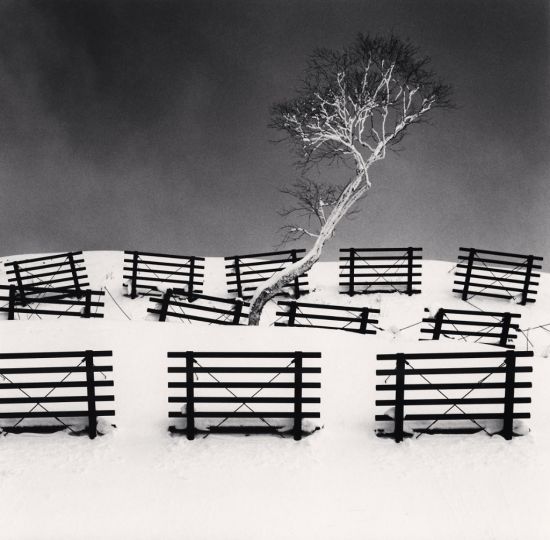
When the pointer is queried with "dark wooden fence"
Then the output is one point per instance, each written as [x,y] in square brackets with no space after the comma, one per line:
[380,270]
[493,327]
[203,308]
[451,390]
[495,274]
[351,319]
[144,272]
[206,396]
[39,301]
[245,273]
[58,382]
[63,271]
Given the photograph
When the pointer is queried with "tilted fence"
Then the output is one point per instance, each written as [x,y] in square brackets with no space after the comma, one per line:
[245,273]
[211,387]
[489,327]
[449,389]
[380,270]
[203,308]
[497,275]
[38,387]
[350,319]
[146,272]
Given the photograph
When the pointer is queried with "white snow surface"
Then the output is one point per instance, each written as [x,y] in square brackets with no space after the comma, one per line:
[342,482]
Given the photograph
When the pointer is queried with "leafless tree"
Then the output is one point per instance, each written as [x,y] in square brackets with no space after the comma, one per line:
[354,105]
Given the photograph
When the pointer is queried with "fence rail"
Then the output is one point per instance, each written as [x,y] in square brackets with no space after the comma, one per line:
[18,404]
[208,398]
[380,270]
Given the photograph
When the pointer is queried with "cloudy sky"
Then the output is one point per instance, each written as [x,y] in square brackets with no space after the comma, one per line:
[143,125]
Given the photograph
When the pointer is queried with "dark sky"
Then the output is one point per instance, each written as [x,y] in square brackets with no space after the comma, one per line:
[143,125]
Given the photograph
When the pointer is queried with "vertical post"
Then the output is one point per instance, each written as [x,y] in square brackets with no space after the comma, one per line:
[237,311]
[297,428]
[90,387]
[364,320]
[528,272]
[351,291]
[20,285]
[87,304]
[399,397]
[164,306]
[507,428]
[410,261]
[471,256]
[190,297]
[238,277]
[75,276]
[297,278]
[11,305]
[292,313]
[438,323]
[505,329]
[133,291]
[190,403]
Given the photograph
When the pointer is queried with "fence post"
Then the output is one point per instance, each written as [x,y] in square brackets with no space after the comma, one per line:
[351,291]
[399,397]
[471,256]
[164,305]
[87,304]
[292,313]
[238,277]
[506,320]
[528,272]
[296,279]
[438,323]
[297,428]
[364,320]
[133,291]
[190,283]
[507,428]
[20,285]
[410,260]
[190,403]
[90,387]
[11,304]
[237,311]
[75,276]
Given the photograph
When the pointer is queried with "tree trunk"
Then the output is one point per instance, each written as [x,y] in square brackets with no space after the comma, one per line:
[350,194]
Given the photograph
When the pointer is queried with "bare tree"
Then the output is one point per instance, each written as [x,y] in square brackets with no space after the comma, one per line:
[354,105]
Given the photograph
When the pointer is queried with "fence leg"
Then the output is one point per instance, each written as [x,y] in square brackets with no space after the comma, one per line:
[190,297]
[297,428]
[438,323]
[75,276]
[87,304]
[20,285]
[133,291]
[528,272]
[410,261]
[351,291]
[399,397]
[506,320]
[190,403]
[471,256]
[296,280]
[11,305]
[364,320]
[292,313]
[164,305]
[90,386]
[238,277]
[507,428]
[237,311]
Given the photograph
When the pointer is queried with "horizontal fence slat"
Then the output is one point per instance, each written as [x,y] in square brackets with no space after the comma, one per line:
[247,354]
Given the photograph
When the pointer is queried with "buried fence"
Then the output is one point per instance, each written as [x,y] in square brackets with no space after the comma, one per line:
[62,271]
[210,404]
[22,375]
[491,327]
[450,388]
[145,272]
[244,273]
[200,308]
[380,270]
[39,301]
[497,275]
[350,319]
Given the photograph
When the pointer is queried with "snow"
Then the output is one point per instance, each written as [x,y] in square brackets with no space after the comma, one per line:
[139,482]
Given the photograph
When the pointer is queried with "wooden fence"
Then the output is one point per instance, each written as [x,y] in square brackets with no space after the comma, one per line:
[380,270]
[206,397]
[65,303]
[497,275]
[451,388]
[144,272]
[22,375]
[245,273]
[493,327]
[63,271]
[203,308]
[350,319]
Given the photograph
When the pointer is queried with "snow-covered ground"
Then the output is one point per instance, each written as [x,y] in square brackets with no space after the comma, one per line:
[138,482]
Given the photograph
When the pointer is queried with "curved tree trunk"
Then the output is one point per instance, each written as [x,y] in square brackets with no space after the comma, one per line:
[351,193]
